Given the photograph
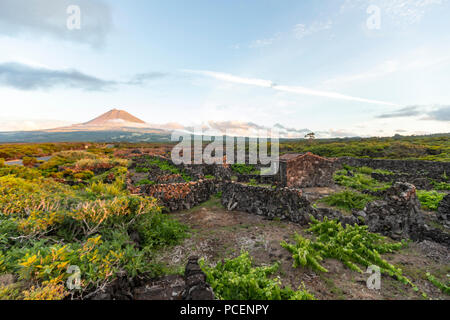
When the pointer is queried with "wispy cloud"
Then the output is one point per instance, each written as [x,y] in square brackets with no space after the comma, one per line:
[231,78]
[48,18]
[423,112]
[291,89]
[383,69]
[34,77]
[25,77]
[409,111]
[142,78]
[261,43]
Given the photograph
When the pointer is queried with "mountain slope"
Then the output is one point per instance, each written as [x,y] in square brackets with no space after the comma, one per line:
[114,115]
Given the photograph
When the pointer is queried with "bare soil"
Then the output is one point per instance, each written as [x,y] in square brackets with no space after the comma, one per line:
[217,234]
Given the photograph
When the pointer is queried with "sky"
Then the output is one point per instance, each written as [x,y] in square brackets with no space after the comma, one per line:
[336,67]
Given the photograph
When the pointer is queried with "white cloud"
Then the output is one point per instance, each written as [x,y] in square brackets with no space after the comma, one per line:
[231,78]
[291,89]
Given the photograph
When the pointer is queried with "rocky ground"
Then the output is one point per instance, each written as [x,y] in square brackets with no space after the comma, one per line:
[217,234]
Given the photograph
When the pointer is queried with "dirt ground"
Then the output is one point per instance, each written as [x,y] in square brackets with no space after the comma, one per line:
[217,234]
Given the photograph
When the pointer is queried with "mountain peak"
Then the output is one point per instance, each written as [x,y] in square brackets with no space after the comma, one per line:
[114,115]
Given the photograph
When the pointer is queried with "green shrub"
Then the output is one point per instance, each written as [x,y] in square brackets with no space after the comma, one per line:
[430,199]
[348,200]
[237,279]
[29,161]
[2,163]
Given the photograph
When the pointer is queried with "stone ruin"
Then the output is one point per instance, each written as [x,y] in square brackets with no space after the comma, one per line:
[306,170]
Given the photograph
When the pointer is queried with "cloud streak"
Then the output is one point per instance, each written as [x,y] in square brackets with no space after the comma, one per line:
[34,77]
[25,77]
[291,89]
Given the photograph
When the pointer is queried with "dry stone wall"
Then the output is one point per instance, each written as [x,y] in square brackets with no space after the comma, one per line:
[409,169]
[181,196]
[398,215]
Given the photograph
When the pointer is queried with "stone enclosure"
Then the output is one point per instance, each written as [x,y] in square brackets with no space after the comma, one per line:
[398,215]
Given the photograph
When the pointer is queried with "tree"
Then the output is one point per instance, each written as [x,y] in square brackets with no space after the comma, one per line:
[311,136]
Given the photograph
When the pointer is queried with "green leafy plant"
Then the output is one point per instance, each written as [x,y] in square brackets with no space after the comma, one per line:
[352,245]
[304,253]
[445,288]
[238,279]
[430,199]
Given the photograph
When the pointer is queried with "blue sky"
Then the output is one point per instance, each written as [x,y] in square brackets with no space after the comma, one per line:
[302,64]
